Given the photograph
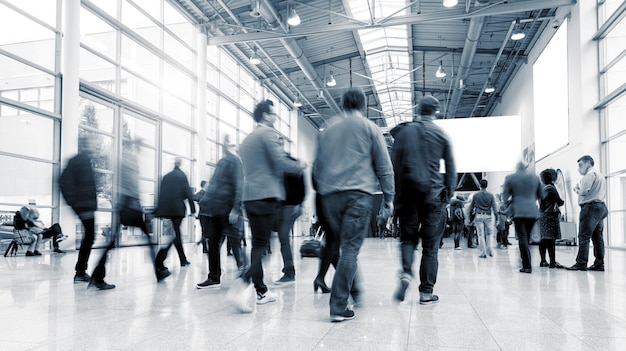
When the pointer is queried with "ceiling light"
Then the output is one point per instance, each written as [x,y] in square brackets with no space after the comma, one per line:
[441,73]
[450,3]
[518,33]
[489,88]
[331,82]
[297,103]
[254,59]
[256,10]
[293,19]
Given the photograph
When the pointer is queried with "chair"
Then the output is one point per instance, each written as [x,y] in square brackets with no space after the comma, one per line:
[21,235]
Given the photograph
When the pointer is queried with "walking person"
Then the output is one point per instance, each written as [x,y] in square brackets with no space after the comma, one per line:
[484,206]
[264,165]
[78,186]
[549,222]
[352,164]
[422,195]
[591,196]
[173,192]
[290,210]
[457,220]
[221,213]
[197,197]
[524,190]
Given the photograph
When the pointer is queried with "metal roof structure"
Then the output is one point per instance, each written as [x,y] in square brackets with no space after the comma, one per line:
[391,49]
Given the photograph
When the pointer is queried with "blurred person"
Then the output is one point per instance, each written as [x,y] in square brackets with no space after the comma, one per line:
[484,206]
[351,164]
[220,213]
[591,196]
[290,210]
[329,252]
[129,206]
[503,223]
[549,222]
[264,165]
[457,220]
[524,190]
[173,192]
[30,217]
[78,186]
[197,197]
[422,195]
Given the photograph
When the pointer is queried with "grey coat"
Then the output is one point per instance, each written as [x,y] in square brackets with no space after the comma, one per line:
[525,191]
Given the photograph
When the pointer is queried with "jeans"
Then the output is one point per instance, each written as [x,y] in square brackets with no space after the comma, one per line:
[261,214]
[426,221]
[213,230]
[348,214]
[485,229]
[523,227]
[591,225]
[287,216]
[162,254]
[85,245]
[457,231]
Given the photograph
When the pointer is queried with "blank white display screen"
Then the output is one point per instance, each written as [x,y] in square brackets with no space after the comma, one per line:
[485,144]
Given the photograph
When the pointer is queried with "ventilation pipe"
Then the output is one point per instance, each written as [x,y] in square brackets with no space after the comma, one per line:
[268,12]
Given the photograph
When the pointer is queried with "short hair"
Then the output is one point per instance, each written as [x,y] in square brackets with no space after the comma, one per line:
[483,183]
[261,108]
[428,105]
[353,99]
[202,183]
[587,158]
[548,176]
[178,161]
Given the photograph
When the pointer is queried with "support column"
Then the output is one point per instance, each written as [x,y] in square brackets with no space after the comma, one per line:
[201,101]
[70,116]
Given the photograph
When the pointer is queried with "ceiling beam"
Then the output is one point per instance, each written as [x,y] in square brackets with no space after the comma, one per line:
[445,49]
[325,62]
[457,14]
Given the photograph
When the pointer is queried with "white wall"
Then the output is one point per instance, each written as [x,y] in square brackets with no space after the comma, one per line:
[307,144]
[584,122]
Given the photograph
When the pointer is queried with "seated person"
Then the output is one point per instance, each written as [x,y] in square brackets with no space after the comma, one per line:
[30,216]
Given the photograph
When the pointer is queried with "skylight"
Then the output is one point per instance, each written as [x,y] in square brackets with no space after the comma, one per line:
[387,56]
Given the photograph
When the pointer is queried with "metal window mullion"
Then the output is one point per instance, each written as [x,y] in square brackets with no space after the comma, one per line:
[28,63]
[613,62]
[35,110]
[31,17]
[28,158]
[611,22]
[610,97]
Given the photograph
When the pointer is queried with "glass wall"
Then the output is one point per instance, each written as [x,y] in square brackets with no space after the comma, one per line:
[612,76]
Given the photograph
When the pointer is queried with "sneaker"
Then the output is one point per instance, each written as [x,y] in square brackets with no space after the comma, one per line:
[458,248]
[262,299]
[57,250]
[210,283]
[286,279]
[100,285]
[346,315]
[428,299]
[401,292]
[82,278]
[61,237]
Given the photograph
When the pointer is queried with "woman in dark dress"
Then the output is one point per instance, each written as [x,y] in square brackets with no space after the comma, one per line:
[550,218]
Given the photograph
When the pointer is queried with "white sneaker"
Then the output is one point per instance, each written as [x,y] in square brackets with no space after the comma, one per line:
[241,295]
[262,299]
[458,248]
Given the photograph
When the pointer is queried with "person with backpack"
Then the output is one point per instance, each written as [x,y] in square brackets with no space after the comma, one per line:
[484,205]
[422,194]
[457,220]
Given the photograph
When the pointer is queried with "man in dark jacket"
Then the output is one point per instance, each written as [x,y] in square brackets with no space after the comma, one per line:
[171,205]
[220,212]
[78,186]
[197,197]
[422,195]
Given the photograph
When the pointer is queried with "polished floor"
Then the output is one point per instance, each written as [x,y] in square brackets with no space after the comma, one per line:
[485,304]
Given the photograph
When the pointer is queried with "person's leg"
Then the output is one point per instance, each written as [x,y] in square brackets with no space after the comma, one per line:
[409,224]
[598,241]
[543,245]
[432,220]
[480,224]
[523,226]
[178,244]
[214,236]
[261,215]
[97,277]
[349,214]
[457,228]
[85,245]
[587,224]
[235,245]
[285,224]
[551,247]
[161,255]
[489,234]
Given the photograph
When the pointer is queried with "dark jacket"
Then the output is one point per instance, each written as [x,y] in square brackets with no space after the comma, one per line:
[294,188]
[172,194]
[550,199]
[525,191]
[78,184]
[225,188]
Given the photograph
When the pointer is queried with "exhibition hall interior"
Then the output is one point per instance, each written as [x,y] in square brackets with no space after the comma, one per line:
[175,82]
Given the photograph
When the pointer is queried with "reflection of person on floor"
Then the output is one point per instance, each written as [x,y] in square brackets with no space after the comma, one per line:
[78,186]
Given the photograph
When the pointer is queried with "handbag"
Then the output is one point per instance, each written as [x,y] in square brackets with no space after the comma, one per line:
[131,212]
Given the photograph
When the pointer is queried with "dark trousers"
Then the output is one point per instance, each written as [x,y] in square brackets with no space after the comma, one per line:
[550,246]
[287,216]
[523,228]
[425,221]
[52,233]
[591,225]
[215,228]
[261,215]
[348,214]
[457,230]
[162,254]
[329,253]
[85,245]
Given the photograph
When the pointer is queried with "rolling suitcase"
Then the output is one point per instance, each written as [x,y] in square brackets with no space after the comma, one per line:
[312,247]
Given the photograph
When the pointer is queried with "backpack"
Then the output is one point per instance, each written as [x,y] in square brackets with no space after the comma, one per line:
[458,215]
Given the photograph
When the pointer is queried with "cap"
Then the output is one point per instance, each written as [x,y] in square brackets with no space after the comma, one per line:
[430,102]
